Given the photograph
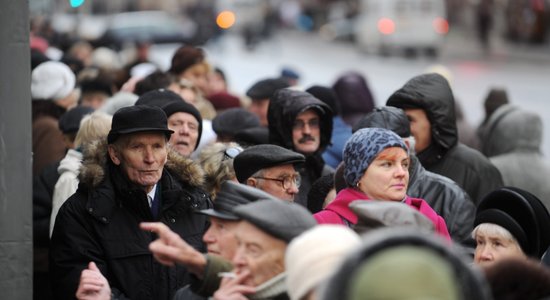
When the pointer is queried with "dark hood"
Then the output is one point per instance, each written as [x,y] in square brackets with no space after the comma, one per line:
[470,280]
[432,93]
[284,106]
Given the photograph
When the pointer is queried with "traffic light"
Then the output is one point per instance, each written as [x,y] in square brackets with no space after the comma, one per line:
[76,3]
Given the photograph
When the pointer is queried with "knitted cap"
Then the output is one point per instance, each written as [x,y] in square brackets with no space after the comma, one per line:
[52,80]
[314,255]
[363,147]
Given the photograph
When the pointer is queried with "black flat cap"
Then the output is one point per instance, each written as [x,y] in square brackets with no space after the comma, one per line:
[234,120]
[265,88]
[280,219]
[387,117]
[519,212]
[231,195]
[158,98]
[255,158]
[137,119]
[252,136]
[70,121]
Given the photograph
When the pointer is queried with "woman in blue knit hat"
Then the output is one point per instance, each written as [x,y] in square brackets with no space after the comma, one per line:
[376,167]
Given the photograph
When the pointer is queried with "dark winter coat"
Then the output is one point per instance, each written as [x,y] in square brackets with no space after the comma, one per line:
[445,156]
[100,223]
[446,198]
[285,105]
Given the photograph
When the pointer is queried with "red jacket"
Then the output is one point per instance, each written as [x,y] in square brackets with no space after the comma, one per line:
[338,211]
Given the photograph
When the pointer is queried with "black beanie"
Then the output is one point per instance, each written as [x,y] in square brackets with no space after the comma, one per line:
[522,214]
[182,106]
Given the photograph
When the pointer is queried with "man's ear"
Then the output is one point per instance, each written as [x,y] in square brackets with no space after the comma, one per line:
[251,182]
[113,154]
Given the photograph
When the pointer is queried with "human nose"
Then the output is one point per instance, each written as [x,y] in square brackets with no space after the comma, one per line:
[149,156]
[184,129]
[208,237]
[485,254]
[238,258]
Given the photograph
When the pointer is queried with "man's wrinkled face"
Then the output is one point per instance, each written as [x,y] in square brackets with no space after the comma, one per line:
[220,238]
[186,132]
[273,181]
[259,253]
[141,156]
[259,107]
[306,132]
[421,128]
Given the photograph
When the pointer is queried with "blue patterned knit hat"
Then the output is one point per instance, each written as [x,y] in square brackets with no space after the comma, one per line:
[363,147]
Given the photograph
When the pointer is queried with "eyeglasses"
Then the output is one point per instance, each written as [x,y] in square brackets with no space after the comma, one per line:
[286,181]
[231,153]
[313,123]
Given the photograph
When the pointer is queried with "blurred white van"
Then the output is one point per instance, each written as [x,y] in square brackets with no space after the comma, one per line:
[387,26]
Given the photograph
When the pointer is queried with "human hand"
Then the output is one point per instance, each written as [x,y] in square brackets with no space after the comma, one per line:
[232,288]
[93,285]
[170,249]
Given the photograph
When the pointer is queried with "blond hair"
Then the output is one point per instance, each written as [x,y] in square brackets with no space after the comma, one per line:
[93,127]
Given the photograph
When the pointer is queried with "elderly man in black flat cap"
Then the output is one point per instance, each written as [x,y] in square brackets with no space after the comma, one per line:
[130,178]
[270,168]
[265,229]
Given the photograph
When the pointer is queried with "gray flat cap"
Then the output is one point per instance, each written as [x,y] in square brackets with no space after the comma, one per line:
[280,219]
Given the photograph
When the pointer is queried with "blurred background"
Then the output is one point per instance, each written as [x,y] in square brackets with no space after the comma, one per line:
[478,44]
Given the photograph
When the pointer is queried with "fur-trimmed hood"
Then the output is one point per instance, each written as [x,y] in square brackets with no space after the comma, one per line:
[94,165]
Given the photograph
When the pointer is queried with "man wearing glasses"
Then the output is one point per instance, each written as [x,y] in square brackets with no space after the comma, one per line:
[270,168]
[302,123]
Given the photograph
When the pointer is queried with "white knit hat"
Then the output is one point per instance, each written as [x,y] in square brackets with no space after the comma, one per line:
[52,80]
[314,255]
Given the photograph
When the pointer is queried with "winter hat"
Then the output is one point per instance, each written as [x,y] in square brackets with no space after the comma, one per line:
[138,118]
[519,212]
[182,106]
[405,272]
[255,158]
[314,255]
[158,98]
[388,117]
[375,214]
[252,136]
[231,195]
[281,219]
[224,100]
[234,120]
[101,85]
[69,122]
[52,80]
[363,147]
[265,88]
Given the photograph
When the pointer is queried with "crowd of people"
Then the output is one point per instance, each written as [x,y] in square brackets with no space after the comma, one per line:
[153,184]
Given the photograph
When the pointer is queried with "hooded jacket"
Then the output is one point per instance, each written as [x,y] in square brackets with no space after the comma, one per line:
[100,223]
[512,140]
[338,211]
[285,105]
[445,156]
[469,279]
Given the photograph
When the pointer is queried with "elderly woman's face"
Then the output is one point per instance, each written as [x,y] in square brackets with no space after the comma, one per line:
[387,177]
[492,247]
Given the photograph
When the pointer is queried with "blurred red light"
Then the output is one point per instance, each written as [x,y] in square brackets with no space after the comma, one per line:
[441,25]
[386,26]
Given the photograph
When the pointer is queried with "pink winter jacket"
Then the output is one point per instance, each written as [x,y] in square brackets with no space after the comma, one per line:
[338,211]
